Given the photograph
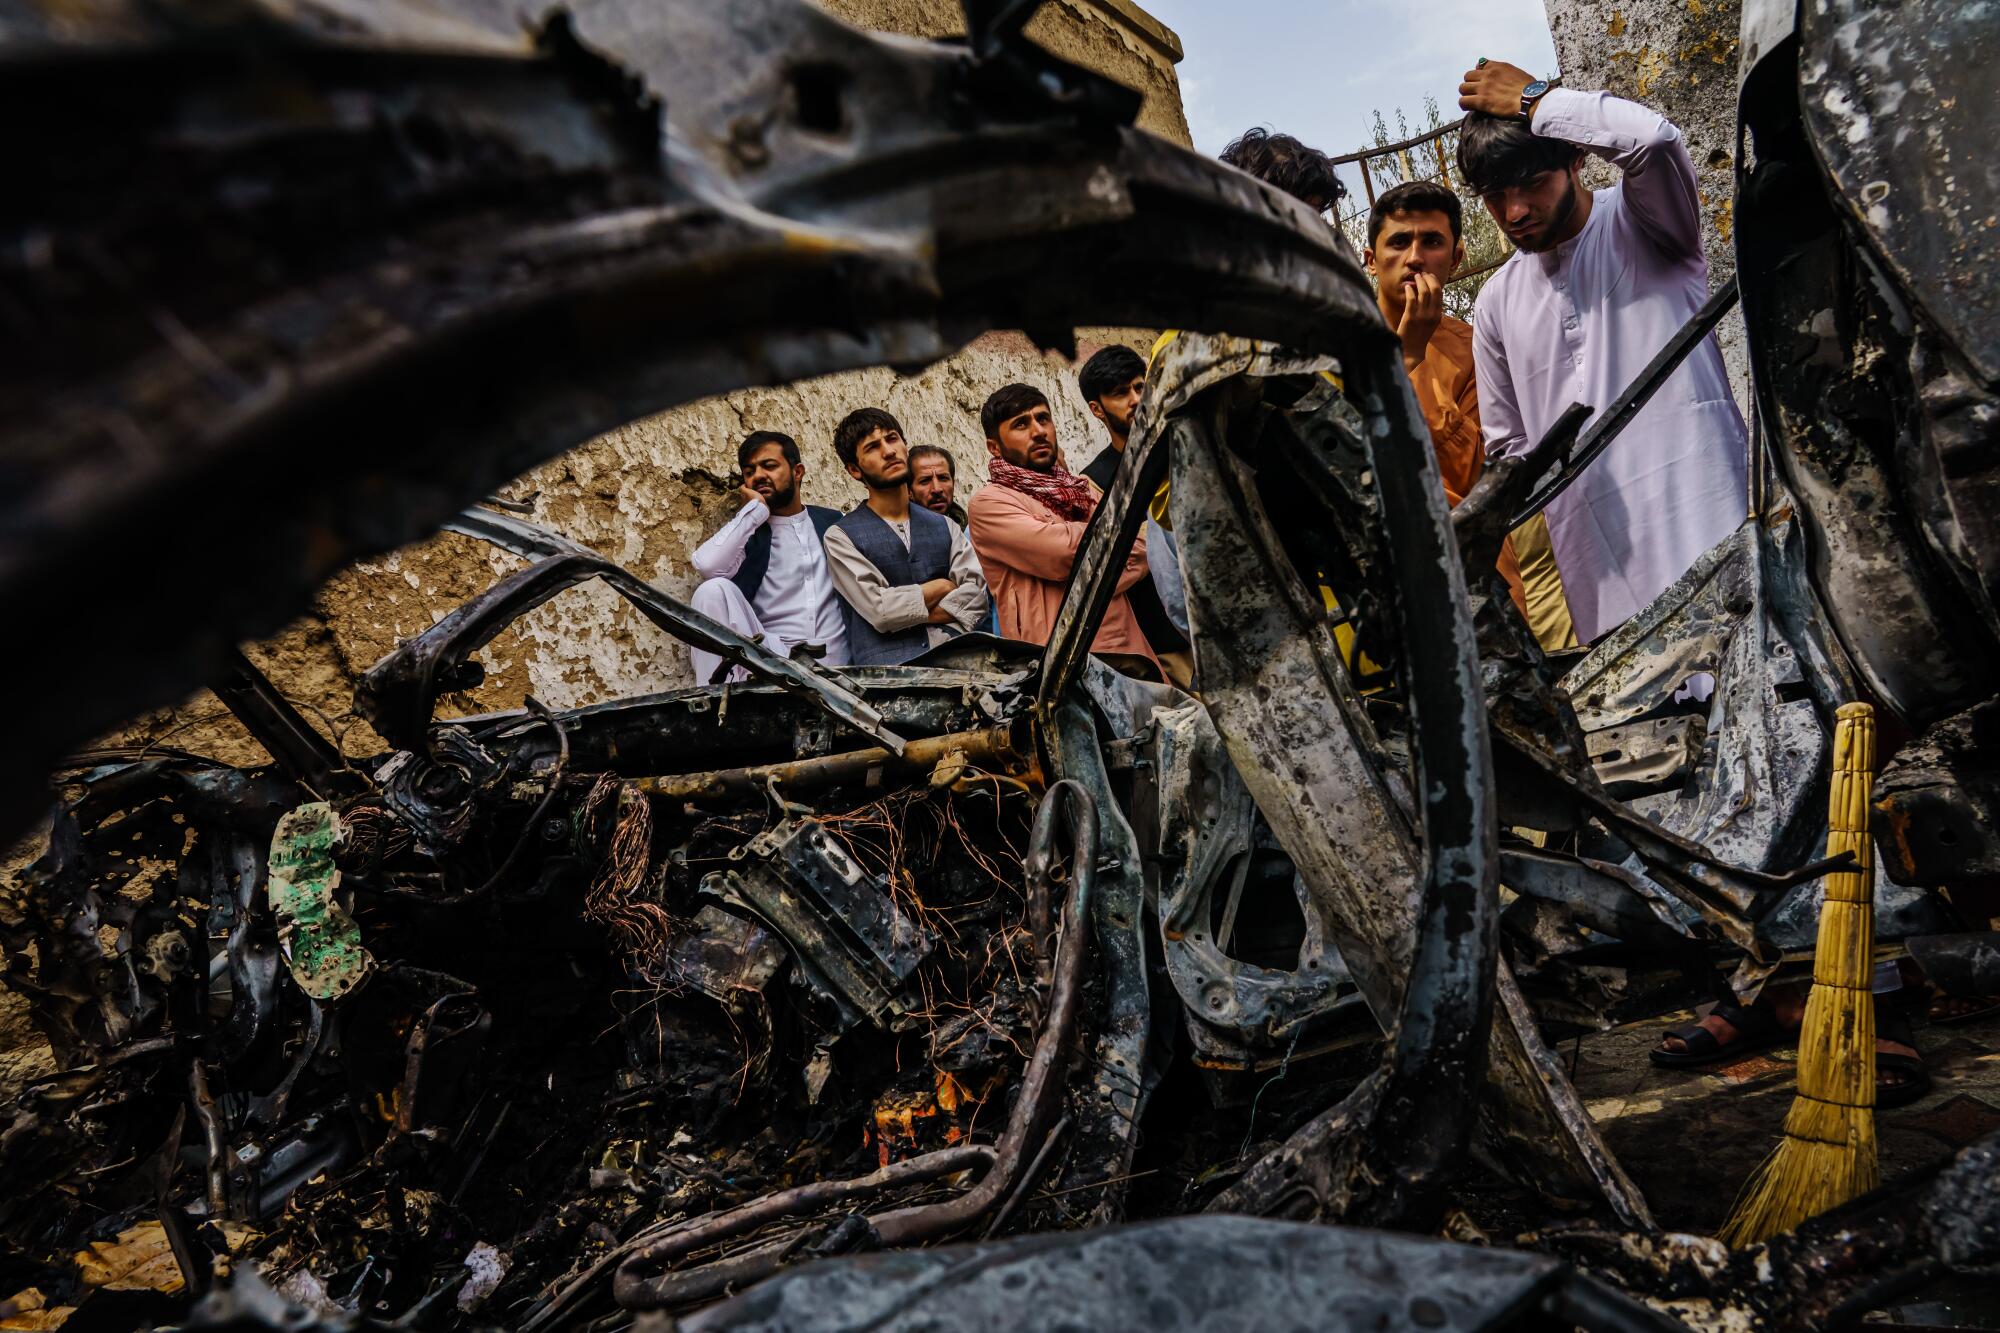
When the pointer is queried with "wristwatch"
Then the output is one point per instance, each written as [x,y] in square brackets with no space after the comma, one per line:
[1532,94]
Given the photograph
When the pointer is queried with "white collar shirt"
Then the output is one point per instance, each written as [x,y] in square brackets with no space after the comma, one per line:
[796,601]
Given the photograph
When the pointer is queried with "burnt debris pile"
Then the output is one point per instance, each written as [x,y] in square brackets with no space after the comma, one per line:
[504,993]
[998,983]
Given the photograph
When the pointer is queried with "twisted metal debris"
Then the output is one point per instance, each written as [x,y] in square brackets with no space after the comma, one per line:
[645,1002]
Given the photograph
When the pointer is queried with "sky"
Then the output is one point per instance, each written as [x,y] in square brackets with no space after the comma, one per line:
[1318,69]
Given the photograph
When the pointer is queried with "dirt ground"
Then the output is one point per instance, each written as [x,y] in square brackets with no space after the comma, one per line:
[1680,1132]
[1690,1138]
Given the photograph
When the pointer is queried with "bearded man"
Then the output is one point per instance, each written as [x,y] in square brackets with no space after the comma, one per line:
[1027,524]
[934,481]
[1112,382]
[1599,283]
[765,573]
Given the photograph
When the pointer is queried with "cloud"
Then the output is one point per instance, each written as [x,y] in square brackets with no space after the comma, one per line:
[1206,124]
[1320,70]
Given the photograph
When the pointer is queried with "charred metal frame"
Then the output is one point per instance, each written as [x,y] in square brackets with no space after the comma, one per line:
[840,188]
[1009,1164]
[399,693]
[378,373]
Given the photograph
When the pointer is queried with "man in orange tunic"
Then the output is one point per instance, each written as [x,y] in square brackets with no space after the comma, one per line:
[1027,522]
[1414,246]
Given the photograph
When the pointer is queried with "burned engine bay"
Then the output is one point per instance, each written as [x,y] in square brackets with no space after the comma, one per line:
[596,1017]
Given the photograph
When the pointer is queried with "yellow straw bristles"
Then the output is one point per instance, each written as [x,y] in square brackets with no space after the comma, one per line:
[1828,1153]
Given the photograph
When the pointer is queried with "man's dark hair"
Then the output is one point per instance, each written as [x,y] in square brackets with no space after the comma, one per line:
[1415,197]
[757,439]
[926,450]
[1109,370]
[1007,402]
[1495,152]
[857,426]
[1282,161]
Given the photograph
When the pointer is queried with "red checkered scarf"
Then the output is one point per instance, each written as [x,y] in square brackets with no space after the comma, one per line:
[1069,495]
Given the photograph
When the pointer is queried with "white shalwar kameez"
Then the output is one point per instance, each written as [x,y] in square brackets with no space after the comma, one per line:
[795,603]
[1578,324]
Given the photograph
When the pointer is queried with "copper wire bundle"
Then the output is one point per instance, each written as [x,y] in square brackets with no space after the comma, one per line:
[617,897]
[370,835]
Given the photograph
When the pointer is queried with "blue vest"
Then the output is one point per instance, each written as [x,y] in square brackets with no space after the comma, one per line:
[928,557]
[749,576]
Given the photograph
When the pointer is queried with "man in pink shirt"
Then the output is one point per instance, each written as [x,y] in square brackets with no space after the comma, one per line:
[1027,523]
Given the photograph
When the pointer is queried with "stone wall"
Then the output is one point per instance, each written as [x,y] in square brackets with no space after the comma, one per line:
[645,495]
[1679,57]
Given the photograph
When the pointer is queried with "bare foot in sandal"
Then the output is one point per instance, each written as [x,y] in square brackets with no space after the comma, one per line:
[1729,1032]
[1961,1008]
[1900,1076]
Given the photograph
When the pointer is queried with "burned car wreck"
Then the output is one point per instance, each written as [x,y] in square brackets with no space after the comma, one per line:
[554,1018]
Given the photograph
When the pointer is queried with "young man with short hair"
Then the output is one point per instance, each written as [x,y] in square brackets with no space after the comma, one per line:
[934,481]
[1415,243]
[765,573]
[1026,526]
[1600,283]
[906,576]
[1112,382]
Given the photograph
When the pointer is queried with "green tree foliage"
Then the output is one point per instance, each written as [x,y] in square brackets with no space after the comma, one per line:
[1486,247]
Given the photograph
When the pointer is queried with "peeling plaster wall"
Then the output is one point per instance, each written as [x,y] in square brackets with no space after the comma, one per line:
[645,495]
[1678,57]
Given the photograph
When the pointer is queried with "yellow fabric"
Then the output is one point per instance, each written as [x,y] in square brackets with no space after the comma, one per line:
[1343,636]
[1162,515]
[1547,608]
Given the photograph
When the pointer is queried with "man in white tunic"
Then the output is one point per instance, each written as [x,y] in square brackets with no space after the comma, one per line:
[765,573]
[1601,281]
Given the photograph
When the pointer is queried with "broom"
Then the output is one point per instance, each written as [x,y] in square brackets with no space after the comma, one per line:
[1828,1153]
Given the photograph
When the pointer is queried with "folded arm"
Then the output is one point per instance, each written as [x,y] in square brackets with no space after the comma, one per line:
[965,605]
[861,585]
[1136,567]
[1008,529]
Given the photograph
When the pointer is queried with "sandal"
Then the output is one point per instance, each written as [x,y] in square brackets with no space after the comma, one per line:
[1982,1006]
[1916,1079]
[1757,1027]
[1916,1084]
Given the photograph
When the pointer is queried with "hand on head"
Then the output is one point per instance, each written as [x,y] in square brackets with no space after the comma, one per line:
[1493,86]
